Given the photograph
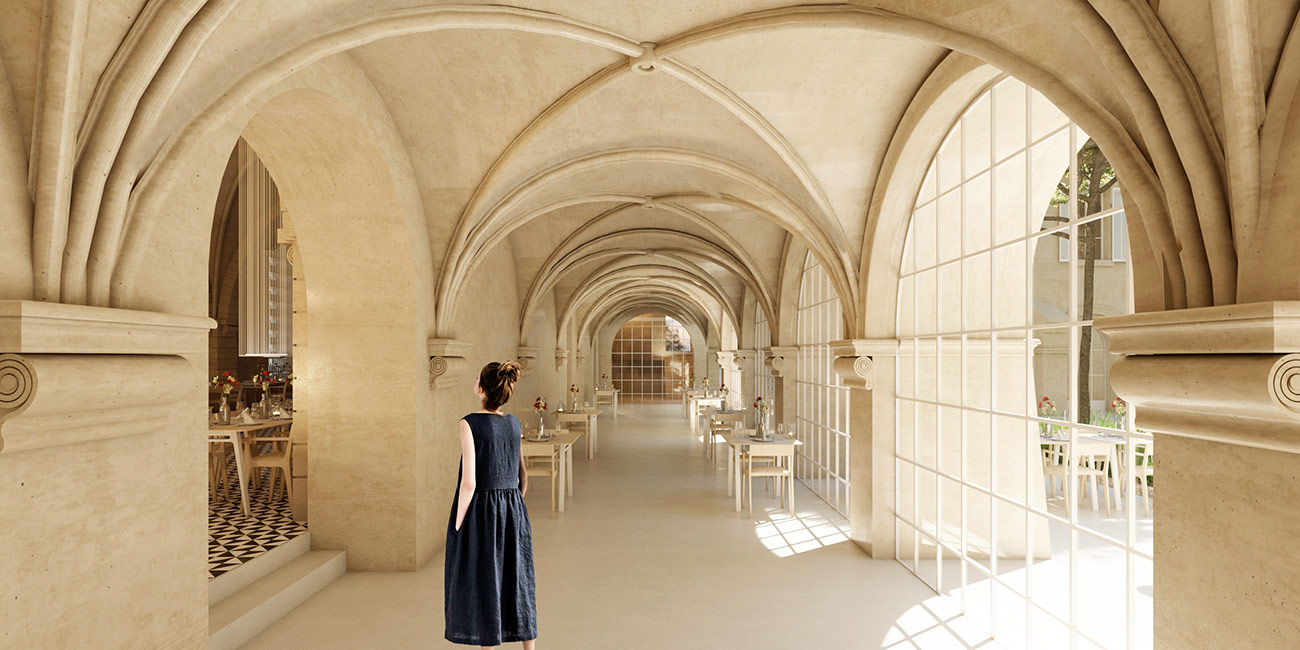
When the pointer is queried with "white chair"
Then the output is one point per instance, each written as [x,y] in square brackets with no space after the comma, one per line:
[1057,459]
[720,423]
[543,459]
[1144,456]
[781,469]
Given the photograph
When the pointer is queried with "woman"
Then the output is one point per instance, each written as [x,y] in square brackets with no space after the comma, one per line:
[489,587]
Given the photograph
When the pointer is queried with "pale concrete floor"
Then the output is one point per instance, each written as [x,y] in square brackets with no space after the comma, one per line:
[651,554]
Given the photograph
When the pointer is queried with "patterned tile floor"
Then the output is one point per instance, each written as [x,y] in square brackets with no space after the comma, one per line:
[234,539]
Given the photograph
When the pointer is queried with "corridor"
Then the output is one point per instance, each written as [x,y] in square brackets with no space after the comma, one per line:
[650,554]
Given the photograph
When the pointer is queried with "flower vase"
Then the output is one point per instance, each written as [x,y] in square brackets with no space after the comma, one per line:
[223,412]
[264,406]
[541,426]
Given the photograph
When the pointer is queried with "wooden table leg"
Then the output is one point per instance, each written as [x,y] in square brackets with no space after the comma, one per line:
[568,469]
[731,471]
[561,478]
[735,458]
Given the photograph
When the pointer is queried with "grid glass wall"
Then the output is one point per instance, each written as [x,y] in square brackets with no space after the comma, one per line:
[1023,489]
[652,359]
[822,403]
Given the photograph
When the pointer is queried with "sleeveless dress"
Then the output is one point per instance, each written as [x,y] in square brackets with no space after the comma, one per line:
[489,591]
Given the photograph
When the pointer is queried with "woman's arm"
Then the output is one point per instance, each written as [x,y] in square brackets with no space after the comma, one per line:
[523,476]
[467,478]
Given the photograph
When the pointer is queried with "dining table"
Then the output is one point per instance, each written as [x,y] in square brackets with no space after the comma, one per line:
[562,440]
[736,442]
[239,434]
[608,396]
[592,416]
[698,403]
[687,396]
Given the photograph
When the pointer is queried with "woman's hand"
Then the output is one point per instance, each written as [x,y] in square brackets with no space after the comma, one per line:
[523,477]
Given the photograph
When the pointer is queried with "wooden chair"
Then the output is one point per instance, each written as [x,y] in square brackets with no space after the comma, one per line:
[543,459]
[218,468]
[1057,459]
[720,423]
[220,439]
[781,468]
[278,458]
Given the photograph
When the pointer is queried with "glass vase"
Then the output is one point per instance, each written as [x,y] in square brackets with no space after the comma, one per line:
[223,412]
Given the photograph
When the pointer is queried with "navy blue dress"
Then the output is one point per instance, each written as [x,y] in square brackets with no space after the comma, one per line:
[489,592]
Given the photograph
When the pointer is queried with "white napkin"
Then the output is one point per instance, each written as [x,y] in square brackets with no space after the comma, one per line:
[246,417]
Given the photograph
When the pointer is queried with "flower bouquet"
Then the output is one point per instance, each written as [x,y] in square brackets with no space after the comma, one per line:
[227,382]
[1047,410]
[539,405]
[573,396]
[761,409]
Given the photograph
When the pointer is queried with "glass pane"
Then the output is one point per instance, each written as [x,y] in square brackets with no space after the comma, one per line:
[1100,570]
[1009,118]
[1010,616]
[1143,604]
[1051,278]
[977,213]
[950,442]
[927,291]
[903,537]
[950,225]
[1009,289]
[950,297]
[904,485]
[975,128]
[1044,116]
[979,449]
[1049,575]
[1009,200]
[1015,465]
[927,448]
[906,370]
[976,298]
[977,369]
[950,161]
[979,527]
[927,192]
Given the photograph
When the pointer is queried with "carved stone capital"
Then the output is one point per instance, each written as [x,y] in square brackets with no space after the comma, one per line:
[57,399]
[781,360]
[527,357]
[447,361]
[853,359]
[727,360]
[561,358]
[1226,374]
[580,359]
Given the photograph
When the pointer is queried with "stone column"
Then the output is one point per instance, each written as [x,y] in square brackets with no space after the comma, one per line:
[781,360]
[1219,387]
[866,366]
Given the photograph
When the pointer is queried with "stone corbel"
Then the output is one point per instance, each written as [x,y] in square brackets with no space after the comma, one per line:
[561,359]
[48,400]
[448,362]
[527,358]
[1225,374]
[72,373]
[853,360]
[781,360]
[731,360]
[581,360]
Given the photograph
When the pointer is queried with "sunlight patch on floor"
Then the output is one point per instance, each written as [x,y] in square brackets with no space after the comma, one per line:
[784,534]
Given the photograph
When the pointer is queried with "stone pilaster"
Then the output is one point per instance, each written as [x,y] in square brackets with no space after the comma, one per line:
[781,359]
[1219,387]
[867,367]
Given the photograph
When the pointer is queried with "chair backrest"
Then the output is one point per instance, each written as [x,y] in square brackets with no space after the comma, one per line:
[772,450]
[728,420]
[1054,454]
[572,418]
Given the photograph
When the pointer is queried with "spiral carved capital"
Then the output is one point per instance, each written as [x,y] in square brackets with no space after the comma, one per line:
[1284,382]
[854,371]
[17,384]
[445,369]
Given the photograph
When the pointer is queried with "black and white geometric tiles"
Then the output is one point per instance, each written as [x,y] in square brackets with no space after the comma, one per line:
[234,539]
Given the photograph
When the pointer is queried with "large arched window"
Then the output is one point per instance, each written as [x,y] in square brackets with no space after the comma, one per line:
[1016,243]
[822,403]
[652,359]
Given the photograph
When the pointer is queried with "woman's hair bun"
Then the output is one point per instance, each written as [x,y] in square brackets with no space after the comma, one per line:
[498,381]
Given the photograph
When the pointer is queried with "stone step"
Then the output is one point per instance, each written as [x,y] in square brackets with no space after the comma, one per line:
[230,582]
[242,615]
